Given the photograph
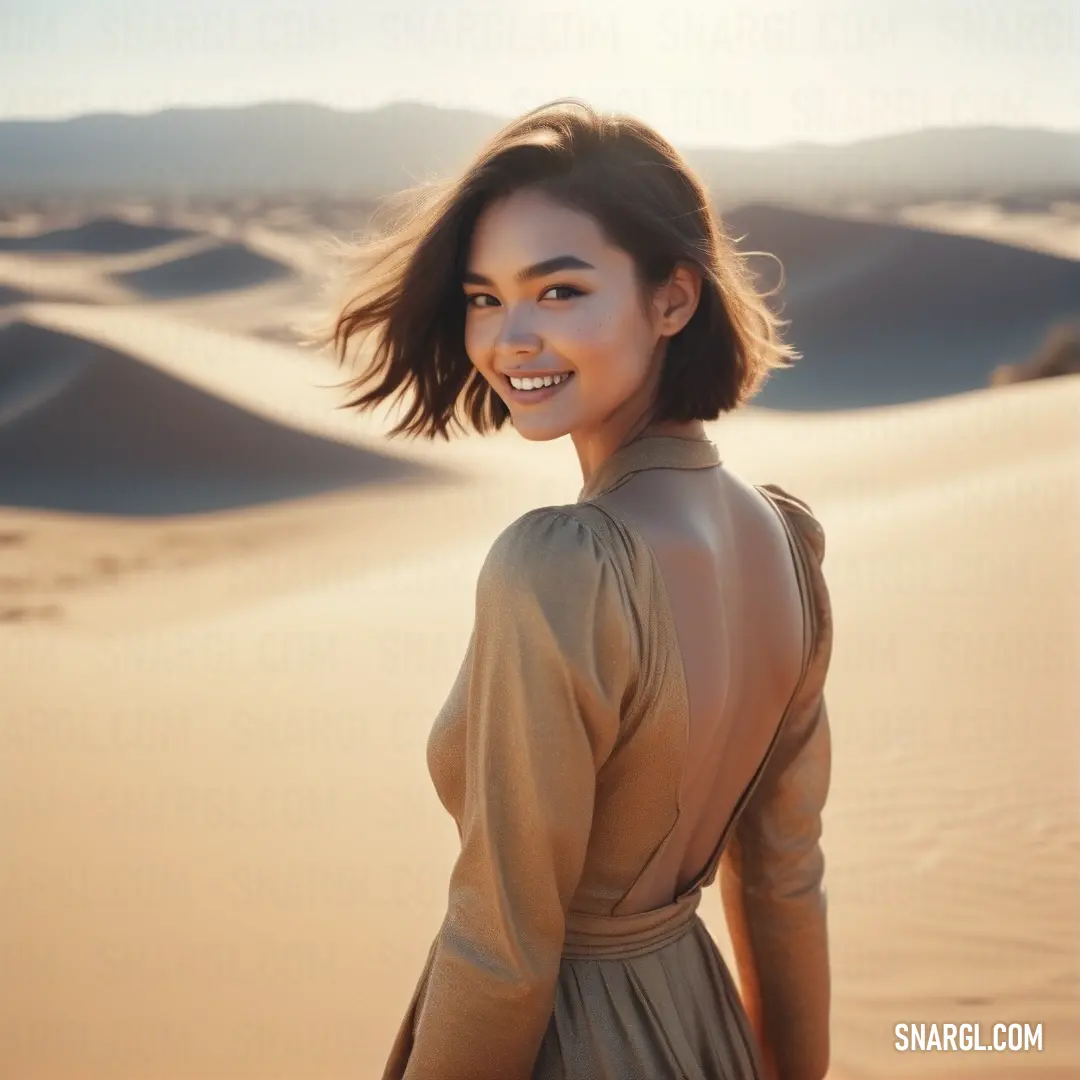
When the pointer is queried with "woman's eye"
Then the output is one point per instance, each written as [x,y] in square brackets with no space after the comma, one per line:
[569,289]
[486,300]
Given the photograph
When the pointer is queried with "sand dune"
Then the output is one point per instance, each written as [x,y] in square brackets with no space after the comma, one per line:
[86,428]
[1037,224]
[10,294]
[225,267]
[883,311]
[220,854]
[100,236]
[886,313]
[97,277]
[247,278]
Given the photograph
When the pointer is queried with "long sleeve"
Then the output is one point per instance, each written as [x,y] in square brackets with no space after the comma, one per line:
[772,873]
[549,670]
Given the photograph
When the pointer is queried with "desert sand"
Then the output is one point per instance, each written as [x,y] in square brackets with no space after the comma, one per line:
[229,612]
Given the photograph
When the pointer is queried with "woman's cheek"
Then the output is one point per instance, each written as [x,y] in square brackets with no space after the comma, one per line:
[479,340]
[586,333]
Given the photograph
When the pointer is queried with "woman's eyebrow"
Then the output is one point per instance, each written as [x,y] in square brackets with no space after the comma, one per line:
[540,269]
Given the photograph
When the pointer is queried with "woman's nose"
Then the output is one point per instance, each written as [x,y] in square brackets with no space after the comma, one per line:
[517,336]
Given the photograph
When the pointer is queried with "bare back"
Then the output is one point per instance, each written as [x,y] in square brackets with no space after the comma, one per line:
[734,599]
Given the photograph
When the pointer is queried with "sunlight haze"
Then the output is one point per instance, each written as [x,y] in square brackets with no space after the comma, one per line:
[743,74]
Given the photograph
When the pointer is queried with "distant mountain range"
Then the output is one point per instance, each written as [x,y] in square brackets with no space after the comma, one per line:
[294,147]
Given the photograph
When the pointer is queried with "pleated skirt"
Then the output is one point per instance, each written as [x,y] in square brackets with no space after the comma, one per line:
[672,1013]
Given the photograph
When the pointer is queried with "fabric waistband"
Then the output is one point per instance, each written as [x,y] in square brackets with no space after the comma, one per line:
[618,937]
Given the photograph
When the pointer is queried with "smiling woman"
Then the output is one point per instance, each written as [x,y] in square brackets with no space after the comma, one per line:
[640,707]
[527,385]
[584,244]
[580,322]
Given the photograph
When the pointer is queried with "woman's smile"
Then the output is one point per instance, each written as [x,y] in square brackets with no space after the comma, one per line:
[532,389]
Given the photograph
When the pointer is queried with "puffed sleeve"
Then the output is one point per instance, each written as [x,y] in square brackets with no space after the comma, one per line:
[772,872]
[549,670]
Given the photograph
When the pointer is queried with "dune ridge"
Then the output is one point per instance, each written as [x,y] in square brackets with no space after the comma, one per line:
[89,429]
[98,236]
[226,267]
[888,312]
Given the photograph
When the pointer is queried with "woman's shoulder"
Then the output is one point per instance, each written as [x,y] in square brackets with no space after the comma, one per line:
[553,547]
[811,534]
[554,575]
[800,515]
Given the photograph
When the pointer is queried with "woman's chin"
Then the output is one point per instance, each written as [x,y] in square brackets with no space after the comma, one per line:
[537,429]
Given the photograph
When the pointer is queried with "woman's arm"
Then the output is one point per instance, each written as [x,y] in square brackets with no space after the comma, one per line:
[551,661]
[774,898]
[772,873]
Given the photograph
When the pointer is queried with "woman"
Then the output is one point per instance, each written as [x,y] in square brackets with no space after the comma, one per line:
[641,702]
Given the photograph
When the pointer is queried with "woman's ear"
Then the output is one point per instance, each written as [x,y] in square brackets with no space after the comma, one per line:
[677,299]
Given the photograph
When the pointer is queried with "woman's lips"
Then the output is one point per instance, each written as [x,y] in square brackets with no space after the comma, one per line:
[534,397]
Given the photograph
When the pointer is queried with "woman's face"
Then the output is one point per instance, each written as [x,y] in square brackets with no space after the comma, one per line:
[550,299]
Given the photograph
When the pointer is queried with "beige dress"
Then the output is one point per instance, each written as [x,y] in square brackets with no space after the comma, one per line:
[640,710]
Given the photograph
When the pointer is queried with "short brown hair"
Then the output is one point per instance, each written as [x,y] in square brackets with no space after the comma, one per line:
[647,201]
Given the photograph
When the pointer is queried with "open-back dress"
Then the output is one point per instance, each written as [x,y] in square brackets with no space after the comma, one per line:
[640,711]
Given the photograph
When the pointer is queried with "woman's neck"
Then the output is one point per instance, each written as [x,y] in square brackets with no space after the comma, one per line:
[595,450]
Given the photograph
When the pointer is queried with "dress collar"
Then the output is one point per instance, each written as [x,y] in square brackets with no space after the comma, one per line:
[649,452]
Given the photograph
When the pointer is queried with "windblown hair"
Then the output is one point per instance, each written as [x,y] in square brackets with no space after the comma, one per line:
[405,285]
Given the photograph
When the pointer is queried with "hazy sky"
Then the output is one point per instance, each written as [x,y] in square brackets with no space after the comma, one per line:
[733,72]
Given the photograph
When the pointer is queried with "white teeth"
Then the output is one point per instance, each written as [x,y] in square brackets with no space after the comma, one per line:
[538,383]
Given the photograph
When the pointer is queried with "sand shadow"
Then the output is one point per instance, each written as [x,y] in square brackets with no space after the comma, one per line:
[9,295]
[886,314]
[224,268]
[100,236]
[89,429]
